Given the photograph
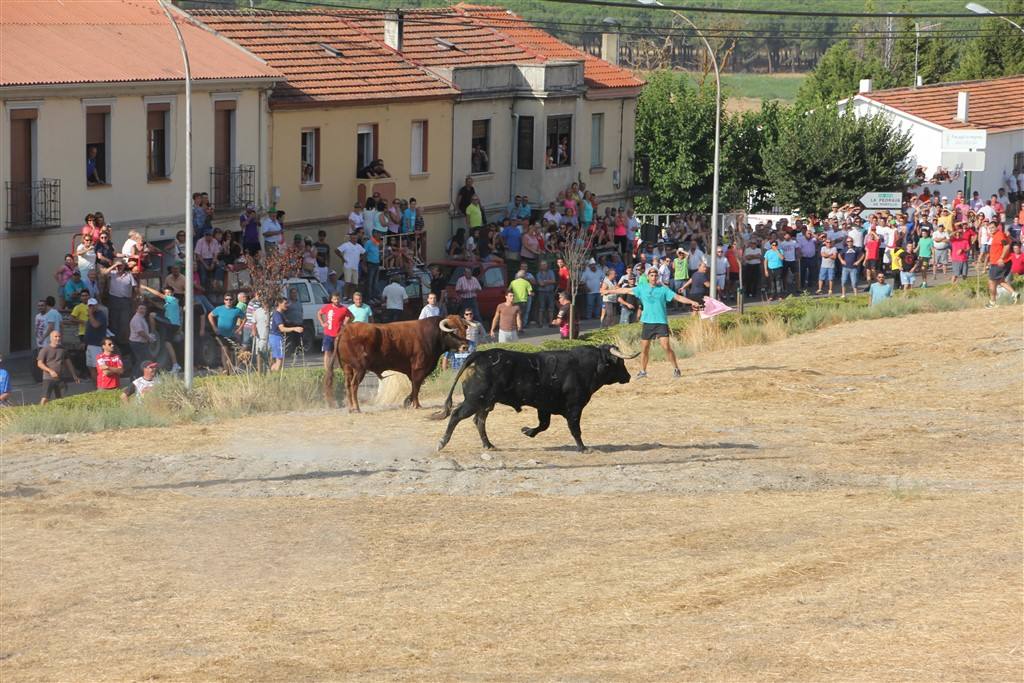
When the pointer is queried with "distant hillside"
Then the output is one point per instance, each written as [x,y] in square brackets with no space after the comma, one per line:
[765,43]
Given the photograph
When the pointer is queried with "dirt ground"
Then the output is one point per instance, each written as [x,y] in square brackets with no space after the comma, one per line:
[843,505]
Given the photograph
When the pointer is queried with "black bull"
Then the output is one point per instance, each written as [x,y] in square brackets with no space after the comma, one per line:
[553,382]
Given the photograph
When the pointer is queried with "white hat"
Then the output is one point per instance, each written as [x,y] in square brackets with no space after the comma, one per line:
[591,262]
[91,302]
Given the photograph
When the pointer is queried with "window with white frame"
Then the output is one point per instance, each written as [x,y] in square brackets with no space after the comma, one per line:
[309,155]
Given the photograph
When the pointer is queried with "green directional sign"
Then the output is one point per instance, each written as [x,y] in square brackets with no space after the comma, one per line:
[882,200]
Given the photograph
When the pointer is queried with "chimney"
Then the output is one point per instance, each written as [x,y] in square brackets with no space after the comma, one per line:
[865,85]
[962,104]
[394,30]
[610,42]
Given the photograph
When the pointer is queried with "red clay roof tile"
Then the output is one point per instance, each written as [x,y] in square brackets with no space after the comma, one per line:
[88,41]
[996,104]
[355,69]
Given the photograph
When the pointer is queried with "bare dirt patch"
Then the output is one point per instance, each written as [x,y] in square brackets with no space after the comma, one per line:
[842,505]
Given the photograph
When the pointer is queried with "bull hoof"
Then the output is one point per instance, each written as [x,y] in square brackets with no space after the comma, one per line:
[529,432]
[585,450]
[440,445]
[353,411]
[489,446]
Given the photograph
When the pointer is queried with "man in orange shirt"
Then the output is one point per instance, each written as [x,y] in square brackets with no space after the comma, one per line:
[999,265]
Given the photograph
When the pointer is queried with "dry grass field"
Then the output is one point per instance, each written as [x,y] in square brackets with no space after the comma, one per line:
[842,505]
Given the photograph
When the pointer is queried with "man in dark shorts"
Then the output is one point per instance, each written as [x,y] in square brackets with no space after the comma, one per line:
[999,265]
[654,298]
[53,360]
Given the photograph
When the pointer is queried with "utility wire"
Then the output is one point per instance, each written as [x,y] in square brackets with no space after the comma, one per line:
[421,17]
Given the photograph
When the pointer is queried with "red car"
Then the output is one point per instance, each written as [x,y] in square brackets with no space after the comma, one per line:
[490,275]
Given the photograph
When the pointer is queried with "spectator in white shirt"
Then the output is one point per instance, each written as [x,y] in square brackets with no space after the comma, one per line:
[272,232]
[395,297]
[431,309]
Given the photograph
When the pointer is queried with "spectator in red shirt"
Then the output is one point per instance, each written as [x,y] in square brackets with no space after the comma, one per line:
[563,275]
[999,265]
[109,367]
[959,253]
[1016,260]
[333,316]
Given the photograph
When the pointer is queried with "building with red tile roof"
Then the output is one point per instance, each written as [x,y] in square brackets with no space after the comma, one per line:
[92,97]
[973,130]
[490,96]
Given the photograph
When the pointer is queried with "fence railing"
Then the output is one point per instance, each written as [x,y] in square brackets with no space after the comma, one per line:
[33,204]
[232,188]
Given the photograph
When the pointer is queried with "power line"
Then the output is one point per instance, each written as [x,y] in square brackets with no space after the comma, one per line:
[785,13]
[421,17]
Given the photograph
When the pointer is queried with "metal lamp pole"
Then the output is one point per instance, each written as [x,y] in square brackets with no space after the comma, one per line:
[189,255]
[981,9]
[712,260]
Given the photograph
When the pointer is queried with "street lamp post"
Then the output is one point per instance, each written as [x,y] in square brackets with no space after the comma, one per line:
[712,260]
[981,9]
[189,318]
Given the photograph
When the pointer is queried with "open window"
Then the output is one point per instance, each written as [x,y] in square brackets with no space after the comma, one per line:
[157,140]
[559,142]
[97,145]
[480,155]
[366,148]
[310,156]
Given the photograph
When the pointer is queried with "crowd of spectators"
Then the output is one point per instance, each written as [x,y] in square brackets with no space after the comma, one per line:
[102,295]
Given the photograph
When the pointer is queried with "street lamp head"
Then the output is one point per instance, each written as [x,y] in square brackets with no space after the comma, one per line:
[977,9]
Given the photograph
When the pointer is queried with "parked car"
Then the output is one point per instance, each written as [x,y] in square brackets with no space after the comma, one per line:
[490,275]
[313,296]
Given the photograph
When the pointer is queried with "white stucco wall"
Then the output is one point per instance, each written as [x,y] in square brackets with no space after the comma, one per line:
[926,150]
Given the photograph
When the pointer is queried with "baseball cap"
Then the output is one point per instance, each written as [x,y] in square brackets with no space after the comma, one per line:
[250,207]
[151,364]
[91,302]
[591,262]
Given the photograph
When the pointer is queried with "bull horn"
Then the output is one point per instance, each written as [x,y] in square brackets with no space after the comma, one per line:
[619,354]
[445,327]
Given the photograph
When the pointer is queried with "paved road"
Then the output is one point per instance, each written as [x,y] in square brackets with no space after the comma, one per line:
[26,390]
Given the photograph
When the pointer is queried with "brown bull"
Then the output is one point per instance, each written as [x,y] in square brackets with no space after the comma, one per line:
[412,348]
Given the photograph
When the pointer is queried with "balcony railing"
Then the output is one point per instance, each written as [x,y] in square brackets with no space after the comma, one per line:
[34,204]
[640,183]
[232,188]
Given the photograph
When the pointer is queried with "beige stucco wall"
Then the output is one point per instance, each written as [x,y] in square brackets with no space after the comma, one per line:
[541,184]
[130,201]
[327,204]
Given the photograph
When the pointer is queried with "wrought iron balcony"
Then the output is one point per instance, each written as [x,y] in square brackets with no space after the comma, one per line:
[33,204]
[232,188]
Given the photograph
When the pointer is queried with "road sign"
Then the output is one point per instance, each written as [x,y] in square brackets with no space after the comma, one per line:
[967,161]
[882,200]
[964,139]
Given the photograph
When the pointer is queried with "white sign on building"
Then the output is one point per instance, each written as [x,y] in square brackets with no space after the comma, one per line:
[964,140]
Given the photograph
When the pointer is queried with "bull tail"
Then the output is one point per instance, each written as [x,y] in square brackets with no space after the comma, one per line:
[447,409]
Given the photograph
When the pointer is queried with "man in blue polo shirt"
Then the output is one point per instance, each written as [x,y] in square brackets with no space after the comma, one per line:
[654,298]
[512,238]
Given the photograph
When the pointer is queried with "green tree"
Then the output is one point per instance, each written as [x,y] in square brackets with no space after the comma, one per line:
[675,127]
[1002,55]
[838,75]
[823,156]
[743,178]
